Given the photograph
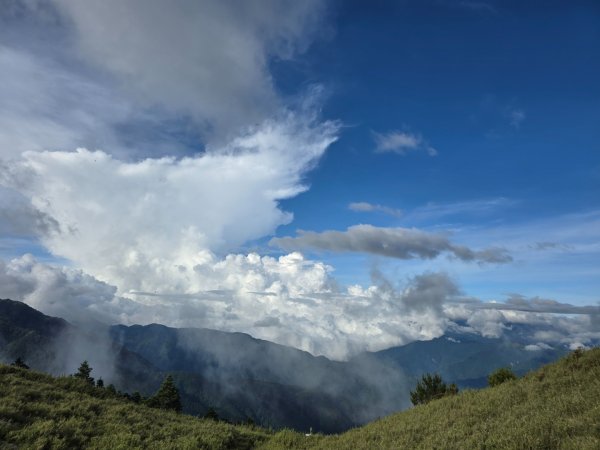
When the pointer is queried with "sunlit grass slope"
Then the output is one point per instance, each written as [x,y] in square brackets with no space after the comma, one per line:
[555,407]
[42,412]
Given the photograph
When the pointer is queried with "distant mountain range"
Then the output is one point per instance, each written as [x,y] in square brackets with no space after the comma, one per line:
[245,378]
[465,358]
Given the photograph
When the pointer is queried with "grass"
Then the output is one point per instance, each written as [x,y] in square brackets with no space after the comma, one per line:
[38,411]
[556,407]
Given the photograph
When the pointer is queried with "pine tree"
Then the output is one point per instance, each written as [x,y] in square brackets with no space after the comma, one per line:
[212,414]
[84,372]
[20,363]
[167,396]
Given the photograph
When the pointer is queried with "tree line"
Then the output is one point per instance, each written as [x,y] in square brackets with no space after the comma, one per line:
[167,397]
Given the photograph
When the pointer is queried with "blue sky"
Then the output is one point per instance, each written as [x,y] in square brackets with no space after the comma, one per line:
[345,152]
[457,73]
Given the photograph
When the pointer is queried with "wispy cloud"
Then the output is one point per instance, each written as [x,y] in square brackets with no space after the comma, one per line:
[500,115]
[516,117]
[517,302]
[432,211]
[401,143]
[542,246]
[370,207]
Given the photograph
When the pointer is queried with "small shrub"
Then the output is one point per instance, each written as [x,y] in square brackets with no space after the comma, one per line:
[211,414]
[20,363]
[430,388]
[501,375]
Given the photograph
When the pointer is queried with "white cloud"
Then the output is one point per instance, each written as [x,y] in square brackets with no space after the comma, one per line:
[401,143]
[370,207]
[577,345]
[289,300]
[537,347]
[132,223]
[489,323]
[549,323]
[58,291]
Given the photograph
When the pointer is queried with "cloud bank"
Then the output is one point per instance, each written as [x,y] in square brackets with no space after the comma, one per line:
[289,300]
[294,301]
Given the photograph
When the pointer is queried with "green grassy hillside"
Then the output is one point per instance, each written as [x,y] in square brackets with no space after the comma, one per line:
[557,406]
[42,412]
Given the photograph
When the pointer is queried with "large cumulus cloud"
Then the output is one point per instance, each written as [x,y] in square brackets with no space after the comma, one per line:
[132,223]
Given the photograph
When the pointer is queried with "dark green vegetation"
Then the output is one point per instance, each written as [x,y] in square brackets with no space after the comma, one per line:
[431,387]
[555,407]
[84,373]
[167,396]
[501,376]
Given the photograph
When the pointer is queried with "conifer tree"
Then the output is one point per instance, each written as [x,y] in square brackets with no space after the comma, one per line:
[20,363]
[84,372]
[212,414]
[167,396]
